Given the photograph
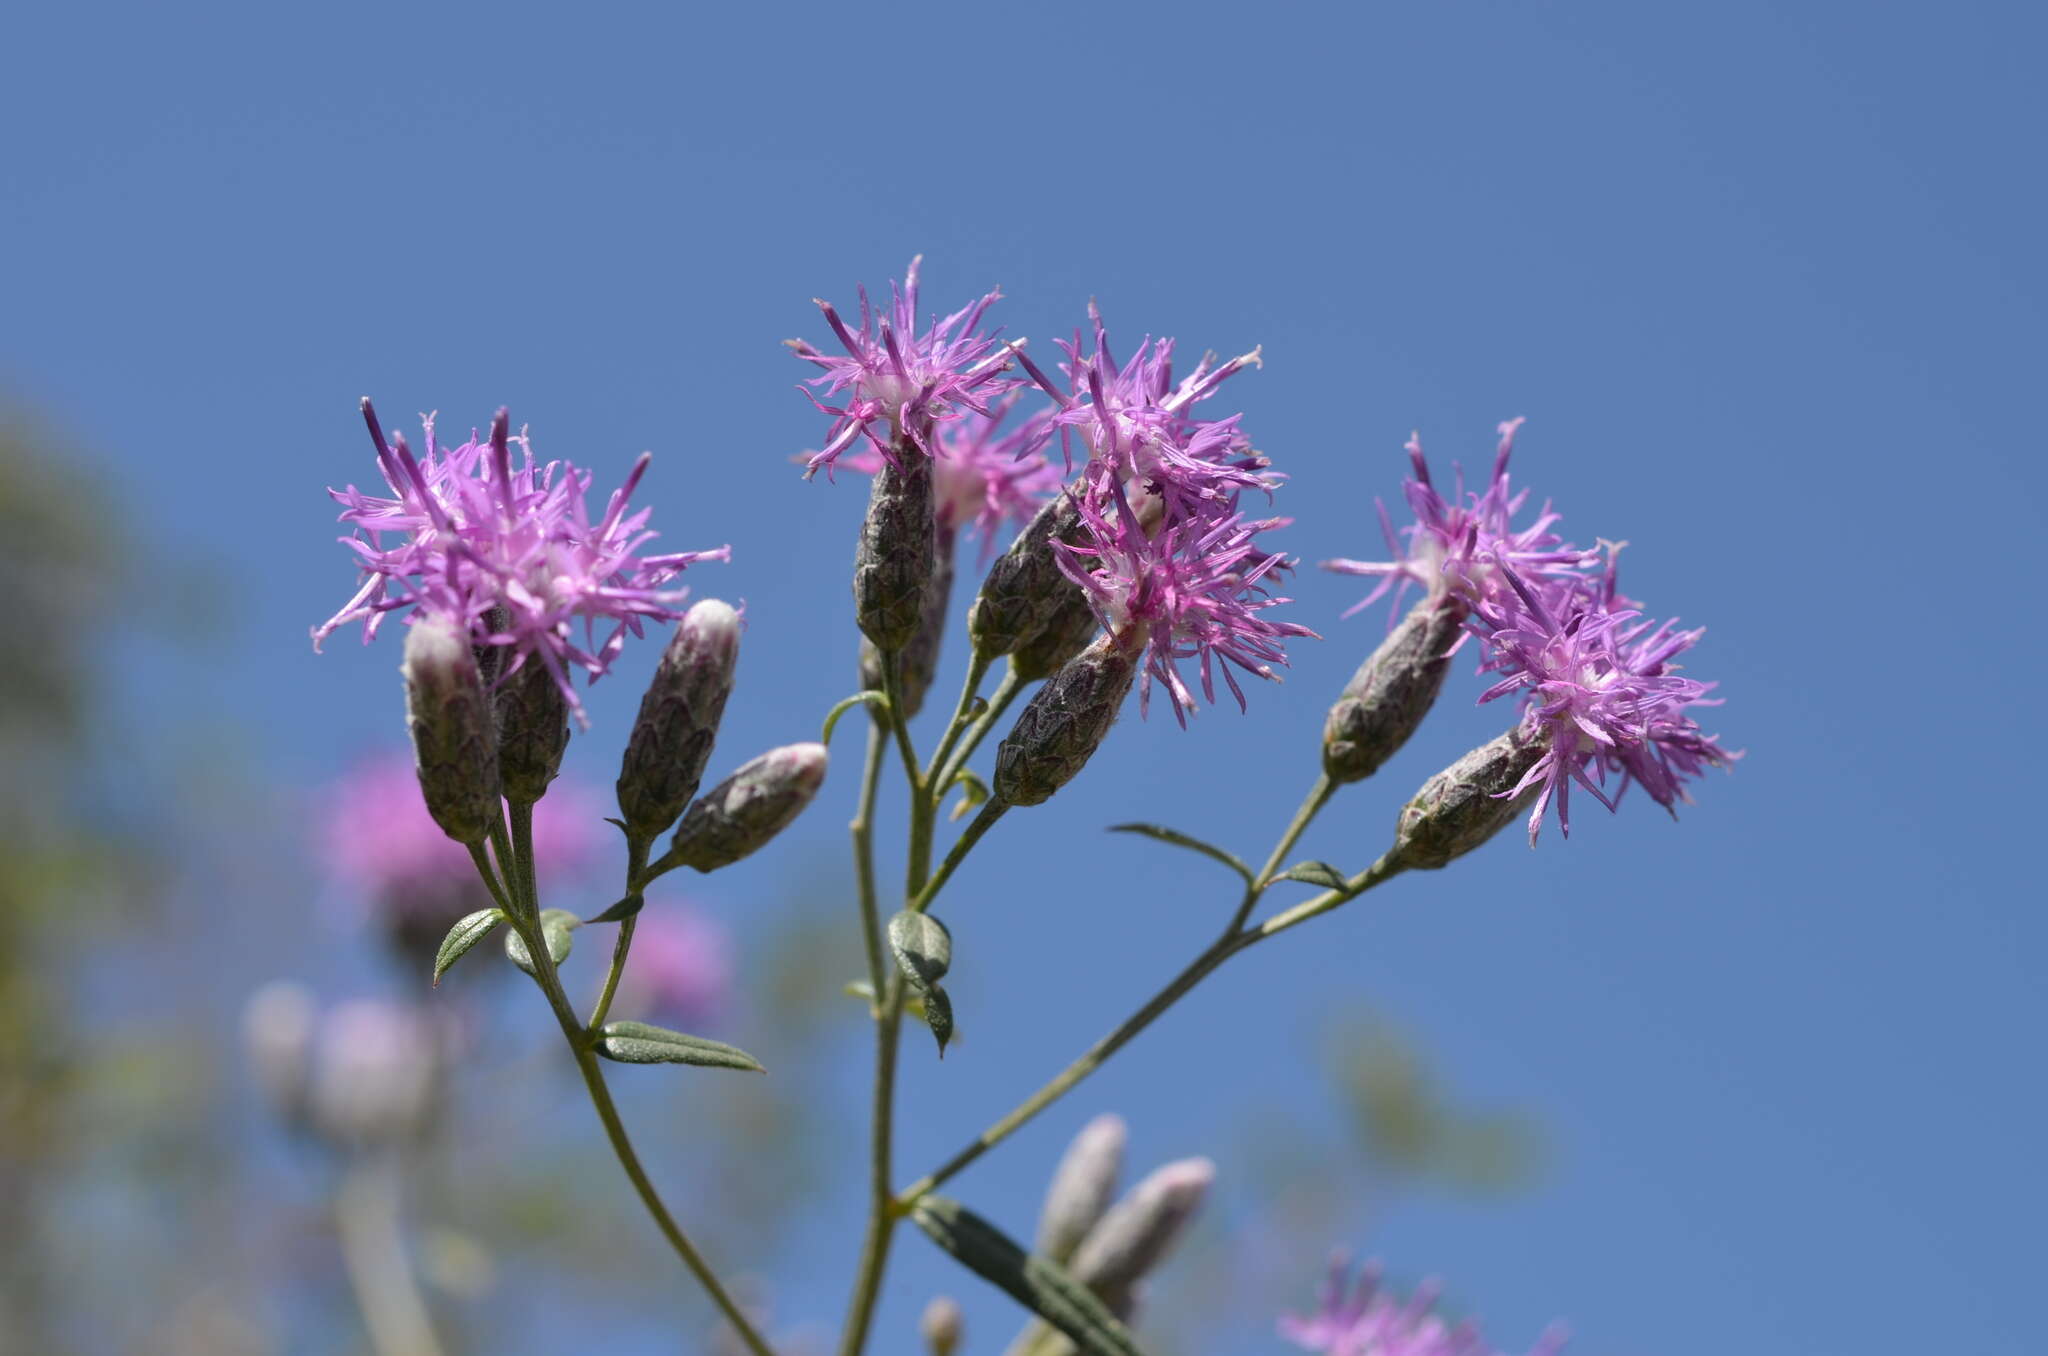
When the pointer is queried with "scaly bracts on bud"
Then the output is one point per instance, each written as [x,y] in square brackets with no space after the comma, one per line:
[1082,1187]
[1467,803]
[739,815]
[679,715]
[1025,586]
[1392,691]
[1066,721]
[919,660]
[893,565]
[453,736]
[1069,628]
[533,731]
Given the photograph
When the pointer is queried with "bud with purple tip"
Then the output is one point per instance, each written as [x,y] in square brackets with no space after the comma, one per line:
[1082,1187]
[1387,698]
[679,716]
[1066,721]
[453,735]
[739,815]
[1467,803]
[1139,1231]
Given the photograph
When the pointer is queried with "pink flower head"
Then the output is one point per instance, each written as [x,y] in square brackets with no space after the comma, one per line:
[985,477]
[894,376]
[1194,589]
[1362,1319]
[1455,543]
[478,533]
[680,967]
[1599,687]
[1133,416]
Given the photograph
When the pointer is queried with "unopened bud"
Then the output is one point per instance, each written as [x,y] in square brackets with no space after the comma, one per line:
[679,715]
[1025,587]
[919,660]
[739,815]
[453,740]
[533,731]
[1141,1229]
[941,1326]
[1392,691]
[277,1029]
[1064,723]
[378,1075]
[897,549]
[1467,803]
[1082,1187]
[1068,629]
[490,659]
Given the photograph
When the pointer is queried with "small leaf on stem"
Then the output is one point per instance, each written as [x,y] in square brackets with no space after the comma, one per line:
[1314,873]
[1179,839]
[555,926]
[639,1043]
[467,932]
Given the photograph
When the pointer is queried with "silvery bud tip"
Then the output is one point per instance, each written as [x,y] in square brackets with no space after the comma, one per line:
[738,816]
[679,717]
[940,1326]
[453,736]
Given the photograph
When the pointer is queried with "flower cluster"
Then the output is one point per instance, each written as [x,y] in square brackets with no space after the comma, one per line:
[507,552]
[1362,1319]
[1599,688]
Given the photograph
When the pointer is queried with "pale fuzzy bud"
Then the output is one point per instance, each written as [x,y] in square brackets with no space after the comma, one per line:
[739,815]
[533,731]
[1082,1187]
[1467,803]
[1025,585]
[1065,722]
[453,739]
[1392,691]
[1141,1229]
[919,660]
[897,551]
[941,1326]
[378,1073]
[277,1030]
[679,716]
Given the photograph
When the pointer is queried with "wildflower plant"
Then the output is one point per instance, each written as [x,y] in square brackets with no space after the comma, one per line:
[1146,556]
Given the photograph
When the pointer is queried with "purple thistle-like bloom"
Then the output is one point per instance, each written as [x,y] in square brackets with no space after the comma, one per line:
[893,375]
[1362,1319]
[1599,687]
[983,476]
[1455,543]
[1195,589]
[479,533]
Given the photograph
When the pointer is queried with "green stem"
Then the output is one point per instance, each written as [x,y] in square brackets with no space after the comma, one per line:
[979,825]
[1318,796]
[636,867]
[366,1216]
[1385,869]
[977,669]
[892,688]
[587,1064]
[863,831]
[998,702]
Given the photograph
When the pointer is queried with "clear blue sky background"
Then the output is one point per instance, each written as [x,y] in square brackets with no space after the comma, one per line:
[1767,281]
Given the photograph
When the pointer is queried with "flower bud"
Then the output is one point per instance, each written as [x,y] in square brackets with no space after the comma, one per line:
[1082,1187]
[940,1326]
[919,660]
[1135,1236]
[894,561]
[1068,629]
[277,1028]
[454,743]
[739,815]
[1065,722]
[679,715]
[1392,691]
[1025,586]
[1466,804]
[533,731]
[377,1079]
[490,659]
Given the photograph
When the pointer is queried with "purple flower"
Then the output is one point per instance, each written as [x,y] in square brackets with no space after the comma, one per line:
[1364,1320]
[893,375]
[680,967]
[1455,543]
[510,553]
[1599,688]
[983,476]
[1195,589]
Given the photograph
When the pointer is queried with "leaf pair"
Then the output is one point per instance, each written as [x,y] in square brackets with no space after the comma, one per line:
[924,952]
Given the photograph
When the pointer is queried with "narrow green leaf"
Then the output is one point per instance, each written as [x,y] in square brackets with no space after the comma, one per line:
[621,911]
[1314,873]
[878,700]
[639,1043]
[1179,839]
[973,792]
[1034,1281]
[555,926]
[467,932]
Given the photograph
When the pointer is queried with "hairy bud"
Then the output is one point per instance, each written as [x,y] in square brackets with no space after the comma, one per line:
[897,551]
[679,715]
[1025,588]
[1063,725]
[453,741]
[941,1326]
[533,731]
[1467,803]
[739,815]
[1082,1187]
[1135,1236]
[1392,691]
[919,660]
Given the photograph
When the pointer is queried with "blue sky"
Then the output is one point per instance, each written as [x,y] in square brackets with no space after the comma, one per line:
[1766,280]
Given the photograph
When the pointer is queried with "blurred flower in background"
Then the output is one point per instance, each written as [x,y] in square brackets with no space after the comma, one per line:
[681,967]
